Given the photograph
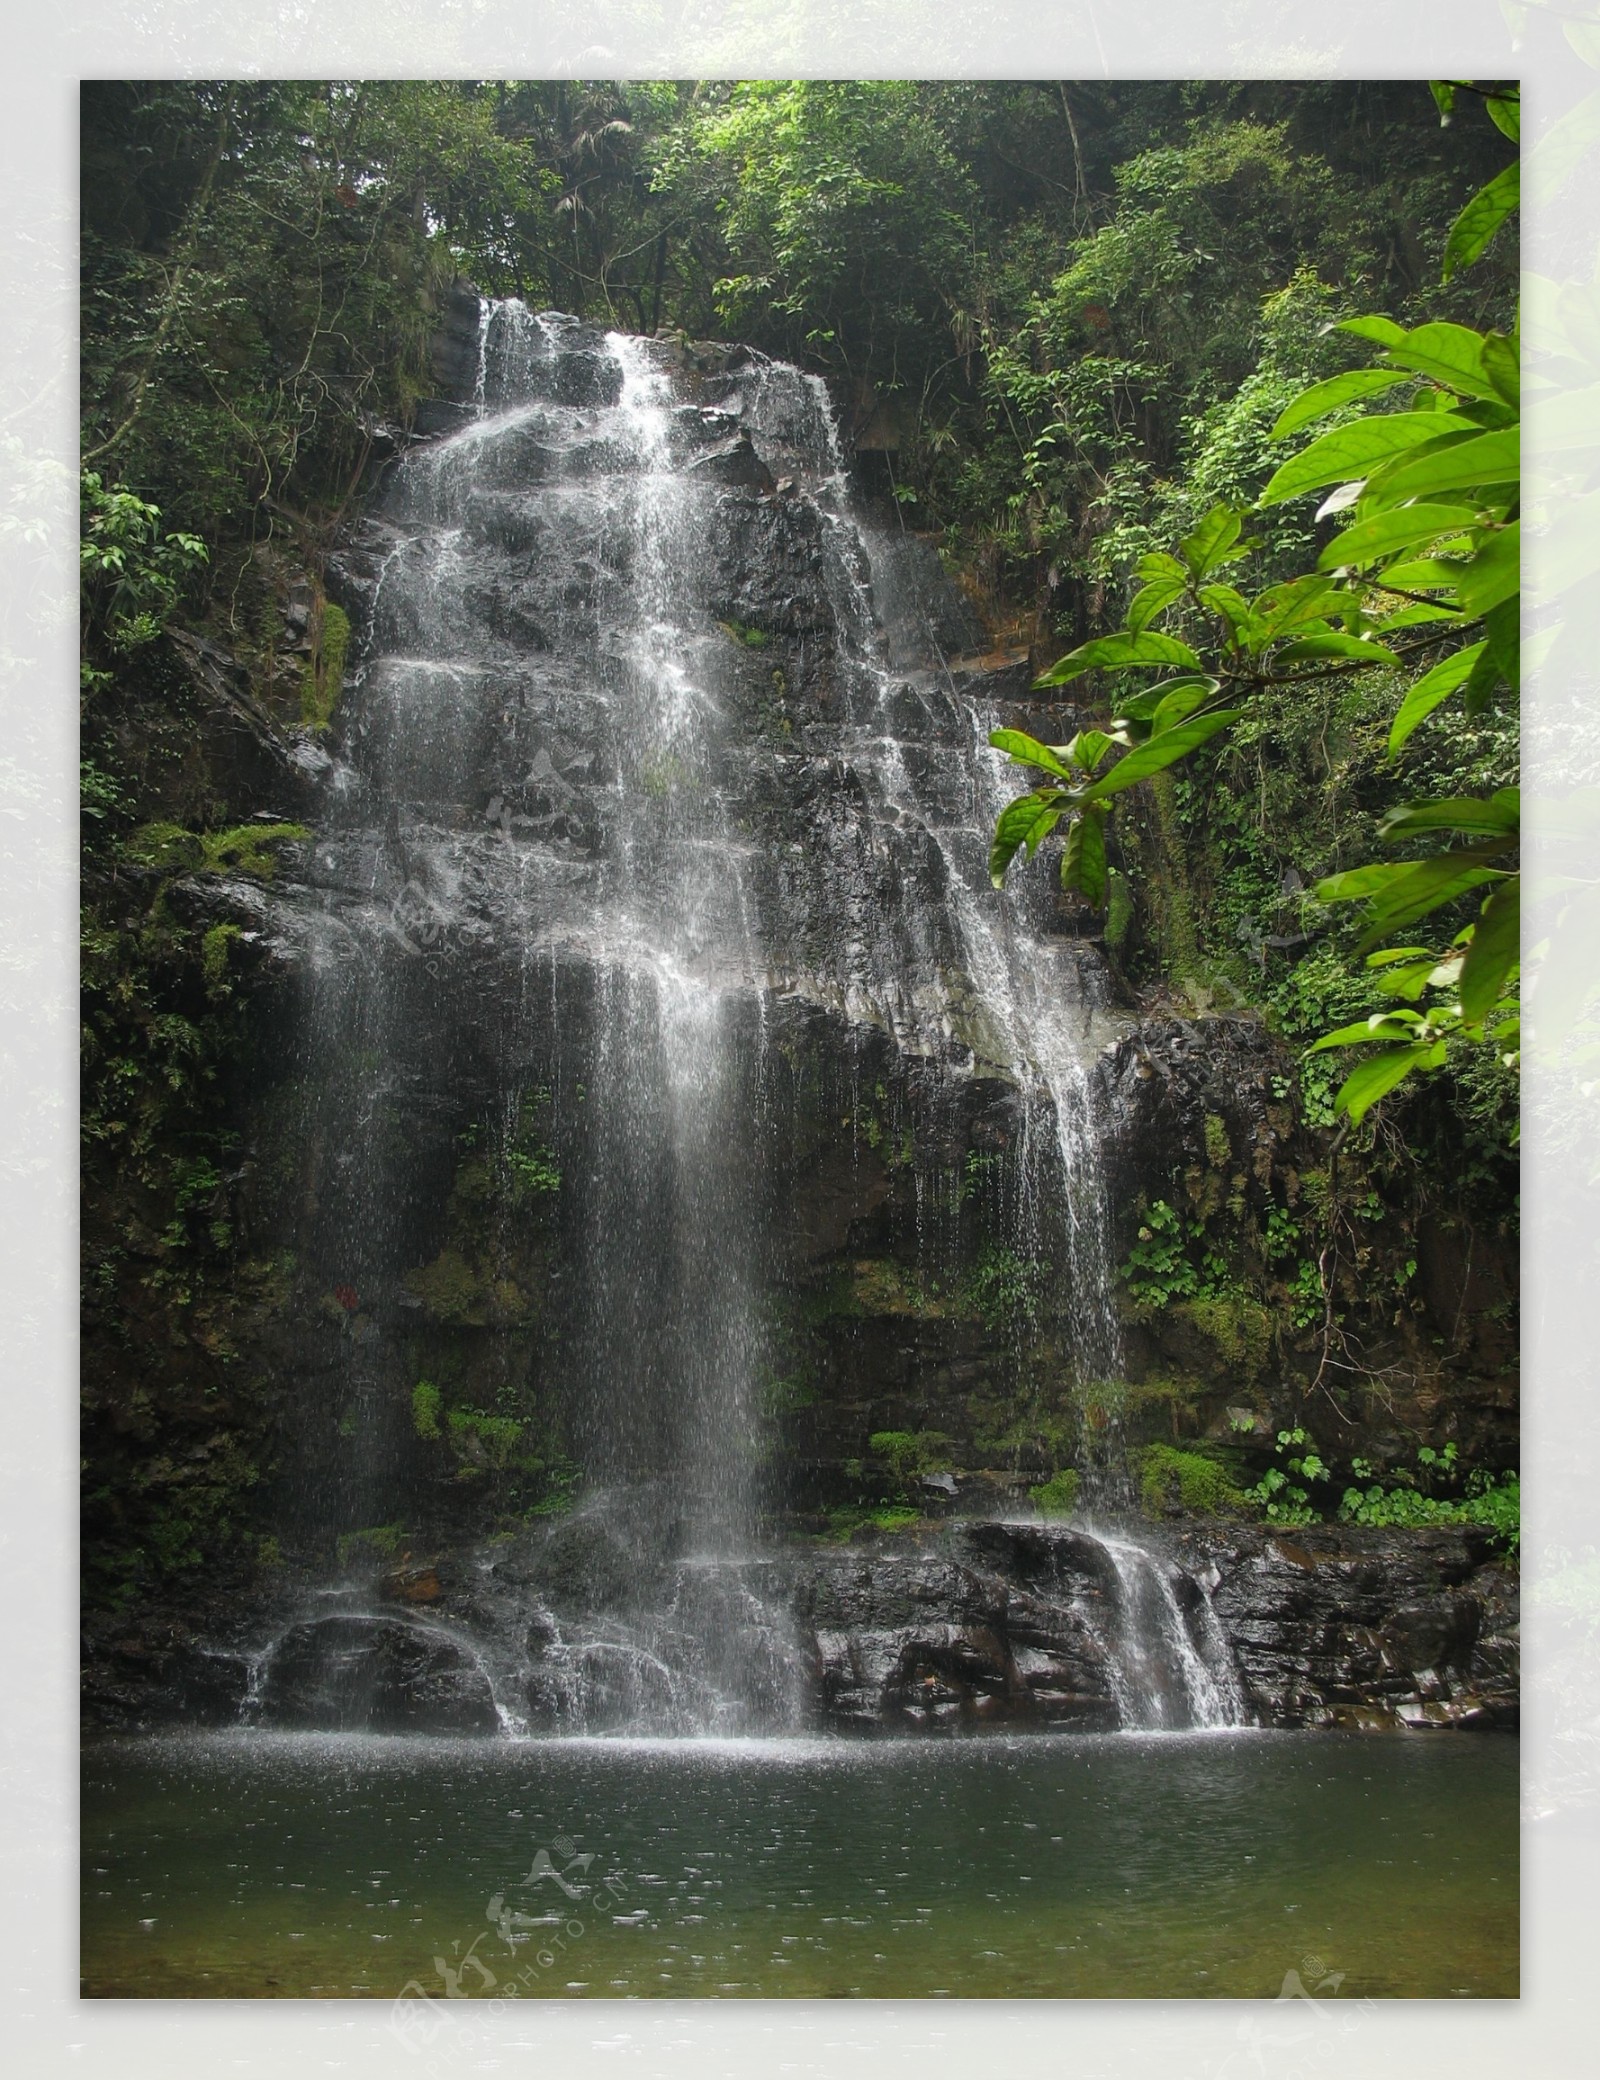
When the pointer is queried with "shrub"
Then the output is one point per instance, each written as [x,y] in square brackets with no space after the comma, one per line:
[1058,1496]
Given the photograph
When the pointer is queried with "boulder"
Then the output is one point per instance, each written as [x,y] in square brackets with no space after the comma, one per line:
[374,1675]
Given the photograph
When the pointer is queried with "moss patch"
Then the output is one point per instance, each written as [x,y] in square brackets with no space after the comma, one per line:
[1058,1496]
[1171,1482]
[1240,1329]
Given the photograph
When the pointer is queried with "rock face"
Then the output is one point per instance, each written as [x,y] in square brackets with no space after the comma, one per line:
[1349,1627]
[925,1643]
[1042,1628]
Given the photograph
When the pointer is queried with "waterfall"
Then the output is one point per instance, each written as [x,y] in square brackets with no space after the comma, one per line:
[1171,1667]
[546,939]
[950,970]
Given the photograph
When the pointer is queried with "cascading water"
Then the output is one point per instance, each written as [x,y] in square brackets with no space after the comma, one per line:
[1171,1668]
[961,975]
[548,820]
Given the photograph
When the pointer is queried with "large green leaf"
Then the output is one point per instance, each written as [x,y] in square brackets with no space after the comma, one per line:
[1355,451]
[1307,649]
[1450,354]
[1374,1078]
[1028,751]
[1083,863]
[1388,1024]
[1161,751]
[1287,607]
[1425,574]
[1322,398]
[1215,541]
[1482,218]
[1153,599]
[1429,886]
[1492,459]
[1384,330]
[1228,602]
[1180,703]
[1503,364]
[1415,613]
[1503,630]
[1409,889]
[1489,816]
[1112,653]
[1505,112]
[1144,705]
[1433,687]
[1086,750]
[1493,952]
[1384,533]
[1494,573]
[1026,821]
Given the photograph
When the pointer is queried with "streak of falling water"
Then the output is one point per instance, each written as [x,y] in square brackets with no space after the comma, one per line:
[1170,1669]
[977,973]
[670,1344]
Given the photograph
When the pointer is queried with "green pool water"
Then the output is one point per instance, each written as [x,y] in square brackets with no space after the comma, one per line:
[340,1866]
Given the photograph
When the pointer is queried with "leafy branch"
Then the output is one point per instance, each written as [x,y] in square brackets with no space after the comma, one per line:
[1428,501]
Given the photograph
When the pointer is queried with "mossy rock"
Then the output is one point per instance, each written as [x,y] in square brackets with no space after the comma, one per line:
[1177,1483]
[453,1290]
[1218,1335]
[879,1286]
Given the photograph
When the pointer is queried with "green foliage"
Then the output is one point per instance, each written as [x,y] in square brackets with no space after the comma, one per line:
[261,268]
[845,1519]
[1426,552]
[323,678]
[813,176]
[214,944]
[482,1440]
[1283,1493]
[912,1452]
[1173,1481]
[1406,1499]
[242,849]
[1239,1327]
[1058,1496]
[563,1479]
[1161,1265]
[132,575]
[1280,1235]
[426,1401]
[376,1542]
[1158,1267]
[1002,1285]
[532,1171]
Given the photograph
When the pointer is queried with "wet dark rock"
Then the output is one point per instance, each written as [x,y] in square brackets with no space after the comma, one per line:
[925,1644]
[437,415]
[1399,1628]
[161,1675]
[455,342]
[374,1675]
[733,461]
